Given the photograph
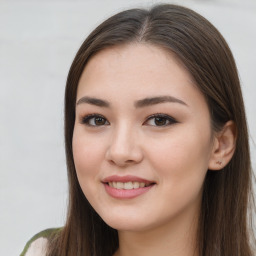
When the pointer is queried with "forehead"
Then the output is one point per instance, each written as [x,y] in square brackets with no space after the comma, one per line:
[138,70]
[133,55]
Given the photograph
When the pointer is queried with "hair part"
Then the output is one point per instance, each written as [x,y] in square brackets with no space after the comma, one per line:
[223,224]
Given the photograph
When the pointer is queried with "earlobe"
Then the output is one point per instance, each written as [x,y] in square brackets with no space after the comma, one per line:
[223,147]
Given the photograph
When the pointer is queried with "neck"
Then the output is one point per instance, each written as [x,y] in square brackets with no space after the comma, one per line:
[177,238]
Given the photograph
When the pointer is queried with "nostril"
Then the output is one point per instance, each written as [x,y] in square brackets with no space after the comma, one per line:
[129,161]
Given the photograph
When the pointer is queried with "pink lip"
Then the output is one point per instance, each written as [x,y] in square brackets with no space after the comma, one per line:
[126,178]
[126,193]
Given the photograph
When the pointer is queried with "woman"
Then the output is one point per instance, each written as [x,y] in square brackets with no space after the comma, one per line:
[156,142]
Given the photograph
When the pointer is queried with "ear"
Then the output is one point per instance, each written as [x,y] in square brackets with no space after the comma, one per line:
[224,145]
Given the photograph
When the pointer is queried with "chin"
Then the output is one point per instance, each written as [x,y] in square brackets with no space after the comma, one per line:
[128,223]
[128,226]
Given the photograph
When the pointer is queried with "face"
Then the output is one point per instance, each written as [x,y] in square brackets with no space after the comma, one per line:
[142,138]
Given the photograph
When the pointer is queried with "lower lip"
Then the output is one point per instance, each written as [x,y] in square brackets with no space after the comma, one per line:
[126,193]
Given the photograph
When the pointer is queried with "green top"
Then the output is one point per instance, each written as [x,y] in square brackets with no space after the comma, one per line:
[38,242]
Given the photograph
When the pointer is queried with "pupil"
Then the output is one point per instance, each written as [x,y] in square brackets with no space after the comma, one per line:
[160,121]
[99,121]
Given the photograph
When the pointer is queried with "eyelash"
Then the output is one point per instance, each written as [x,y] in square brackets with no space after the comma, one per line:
[86,119]
[167,118]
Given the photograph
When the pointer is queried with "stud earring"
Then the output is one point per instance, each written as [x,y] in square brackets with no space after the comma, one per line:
[219,162]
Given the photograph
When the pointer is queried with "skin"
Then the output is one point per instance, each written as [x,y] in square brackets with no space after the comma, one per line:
[176,156]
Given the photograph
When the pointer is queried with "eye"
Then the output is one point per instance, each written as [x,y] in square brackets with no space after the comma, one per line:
[160,120]
[94,120]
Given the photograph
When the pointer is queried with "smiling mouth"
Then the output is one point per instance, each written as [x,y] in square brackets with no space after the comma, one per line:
[127,190]
[128,185]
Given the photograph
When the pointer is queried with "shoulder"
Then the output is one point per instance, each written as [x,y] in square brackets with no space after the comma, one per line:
[37,245]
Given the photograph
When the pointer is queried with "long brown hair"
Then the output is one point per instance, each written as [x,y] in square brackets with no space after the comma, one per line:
[223,226]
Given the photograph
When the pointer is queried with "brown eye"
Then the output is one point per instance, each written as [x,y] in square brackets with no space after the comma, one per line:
[94,120]
[100,121]
[160,120]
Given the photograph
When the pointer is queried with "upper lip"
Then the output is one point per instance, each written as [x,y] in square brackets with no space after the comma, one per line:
[126,178]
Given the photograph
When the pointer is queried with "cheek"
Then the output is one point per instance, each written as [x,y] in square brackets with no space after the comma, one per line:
[182,160]
[87,155]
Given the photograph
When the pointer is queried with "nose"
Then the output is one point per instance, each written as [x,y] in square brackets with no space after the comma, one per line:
[124,148]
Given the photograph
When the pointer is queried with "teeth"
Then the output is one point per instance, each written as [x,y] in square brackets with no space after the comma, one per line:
[118,185]
[142,185]
[127,185]
[136,184]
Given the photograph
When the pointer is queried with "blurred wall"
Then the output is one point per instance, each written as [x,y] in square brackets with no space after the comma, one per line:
[38,40]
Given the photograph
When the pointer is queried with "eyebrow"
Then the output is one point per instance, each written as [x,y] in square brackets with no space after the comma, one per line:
[93,101]
[138,104]
[156,100]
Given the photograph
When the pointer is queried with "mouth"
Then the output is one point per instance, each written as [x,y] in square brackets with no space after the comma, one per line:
[126,187]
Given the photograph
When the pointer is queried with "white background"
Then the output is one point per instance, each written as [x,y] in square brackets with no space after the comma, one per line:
[38,41]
